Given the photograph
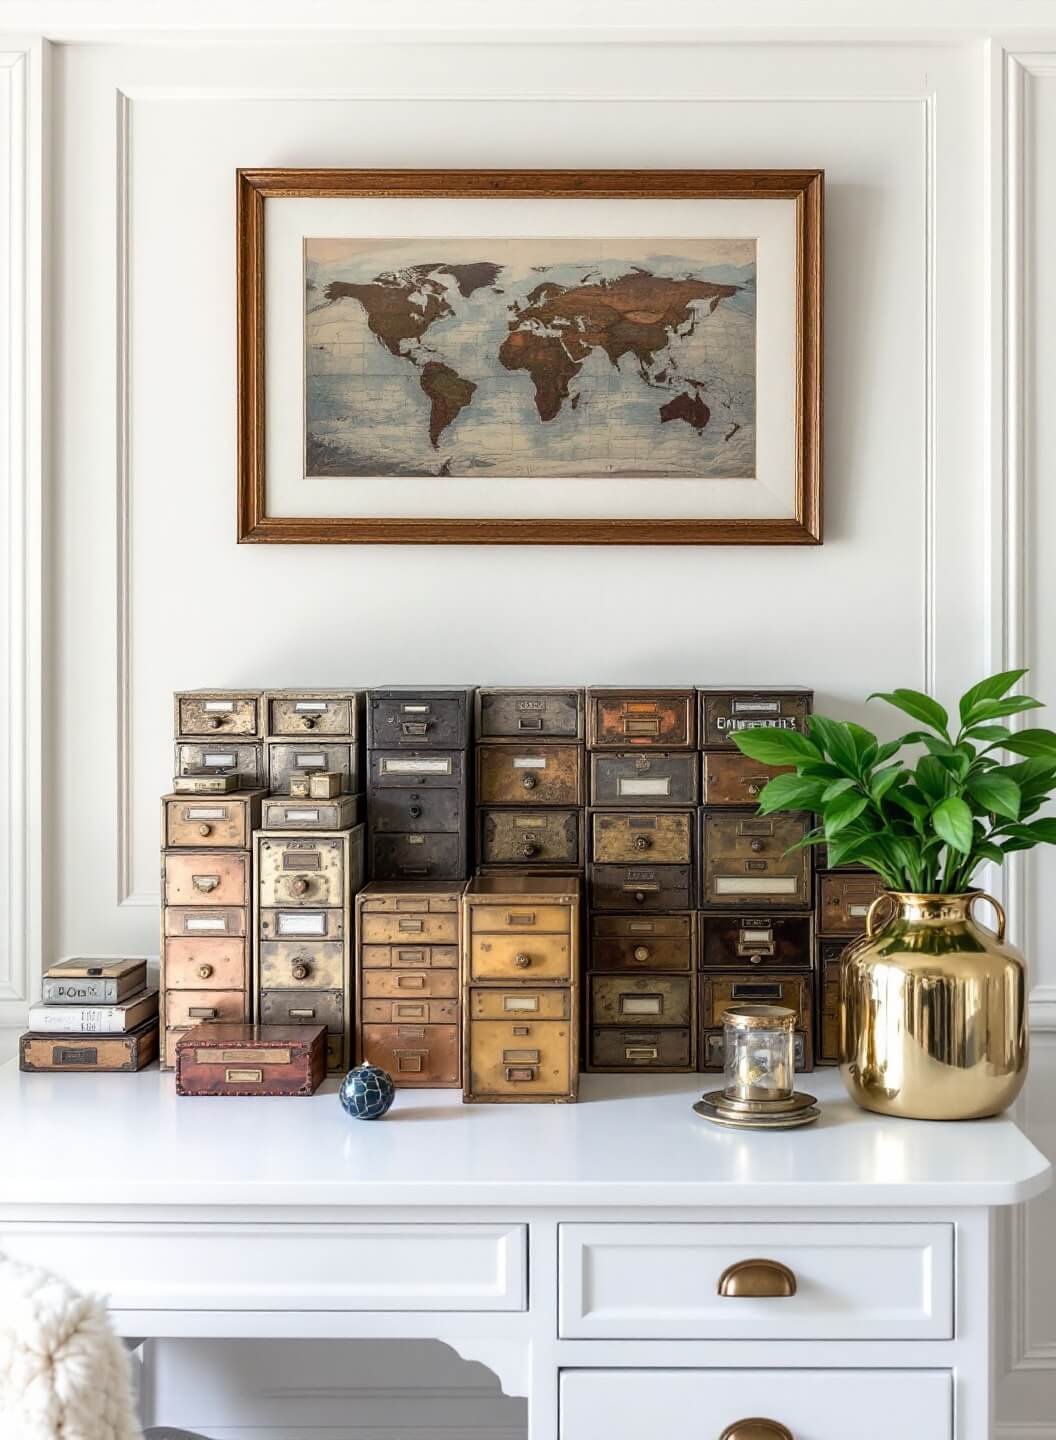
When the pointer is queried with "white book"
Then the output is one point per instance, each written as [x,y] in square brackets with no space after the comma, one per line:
[94,1019]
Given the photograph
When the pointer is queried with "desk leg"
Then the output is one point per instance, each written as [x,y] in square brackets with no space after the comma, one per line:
[543,1417]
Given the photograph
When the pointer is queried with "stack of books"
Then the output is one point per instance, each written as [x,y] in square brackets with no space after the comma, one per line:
[95,1014]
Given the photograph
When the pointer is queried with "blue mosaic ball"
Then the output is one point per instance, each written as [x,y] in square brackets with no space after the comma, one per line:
[367,1092]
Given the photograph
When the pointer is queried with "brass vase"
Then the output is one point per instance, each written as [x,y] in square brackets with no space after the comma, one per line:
[933,1011]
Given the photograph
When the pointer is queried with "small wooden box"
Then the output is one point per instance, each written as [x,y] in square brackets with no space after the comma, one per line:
[251,1060]
[38,1052]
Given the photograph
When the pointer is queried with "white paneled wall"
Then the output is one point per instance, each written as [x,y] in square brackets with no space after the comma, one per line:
[117,172]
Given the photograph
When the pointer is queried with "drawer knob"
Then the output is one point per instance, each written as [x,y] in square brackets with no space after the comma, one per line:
[414,811]
[639,896]
[756,1429]
[308,721]
[204,972]
[528,849]
[215,722]
[642,842]
[757,845]
[522,961]
[300,969]
[529,782]
[205,829]
[757,1279]
[299,886]
[641,952]
[754,787]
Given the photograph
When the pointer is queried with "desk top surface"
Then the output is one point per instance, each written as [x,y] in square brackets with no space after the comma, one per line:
[72,1140]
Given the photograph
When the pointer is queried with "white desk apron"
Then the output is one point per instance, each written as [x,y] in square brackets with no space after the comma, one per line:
[574,1249]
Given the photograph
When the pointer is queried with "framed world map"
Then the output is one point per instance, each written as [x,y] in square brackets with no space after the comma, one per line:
[530,357]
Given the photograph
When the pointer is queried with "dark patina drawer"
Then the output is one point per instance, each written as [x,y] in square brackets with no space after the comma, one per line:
[745,861]
[772,942]
[245,757]
[646,778]
[844,901]
[427,857]
[619,719]
[654,1000]
[620,1048]
[408,812]
[730,778]
[625,837]
[634,942]
[724,712]
[304,1007]
[511,774]
[539,837]
[830,964]
[641,887]
[400,717]
[416,771]
[721,992]
[515,713]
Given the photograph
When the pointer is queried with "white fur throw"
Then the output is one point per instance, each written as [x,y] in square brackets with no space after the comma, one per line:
[63,1373]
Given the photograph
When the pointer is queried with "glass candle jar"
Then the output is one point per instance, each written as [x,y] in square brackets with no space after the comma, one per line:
[759,1052]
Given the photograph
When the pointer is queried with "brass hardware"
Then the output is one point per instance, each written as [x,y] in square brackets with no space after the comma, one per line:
[411,925]
[756,1429]
[528,849]
[300,969]
[299,886]
[202,1012]
[757,1279]
[308,721]
[754,787]
[205,883]
[244,1077]
[641,1052]
[302,1014]
[525,918]
[757,845]
[204,972]
[639,896]
[410,982]
[529,782]
[642,842]
[205,830]
[522,961]
[520,1072]
[641,952]
[215,722]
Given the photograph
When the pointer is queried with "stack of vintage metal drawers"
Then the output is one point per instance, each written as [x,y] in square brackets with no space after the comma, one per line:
[408,1007]
[843,901]
[207,828]
[755,898]
[642,838]
[309,861]
[520,1001]
[419,786]
[530,780]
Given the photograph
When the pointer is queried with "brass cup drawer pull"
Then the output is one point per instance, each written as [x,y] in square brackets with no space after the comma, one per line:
[205,883]
[756,1429]
[756,1280]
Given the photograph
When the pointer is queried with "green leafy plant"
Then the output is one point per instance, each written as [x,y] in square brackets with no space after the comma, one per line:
[927,824]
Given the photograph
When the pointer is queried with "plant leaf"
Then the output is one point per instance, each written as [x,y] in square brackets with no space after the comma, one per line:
[993,733]
[842,811]
[994,709]
[920,707]
[931,778]
[776,747]
[991,688]
[996,792]
[952,821]
[1038,832]
[889,748]
[837,788]
[882,780]
[1033,742]
[790,792]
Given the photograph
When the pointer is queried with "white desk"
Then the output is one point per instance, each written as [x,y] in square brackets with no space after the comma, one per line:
[576,1250]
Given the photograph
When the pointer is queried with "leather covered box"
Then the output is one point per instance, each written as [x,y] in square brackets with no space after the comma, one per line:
[251,1060]
[38,1052]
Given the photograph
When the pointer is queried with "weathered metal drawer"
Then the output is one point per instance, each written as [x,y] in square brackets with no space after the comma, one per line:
[338,814]
[641,887]
[417,771]
[773,942]
[724,712]
[633,942]
[654,1000]
[713,1050]
[314,712]
[406,930]
[409,957]
[844,901]
[192,1007]
[288,757]
[310,872]
[497,1004]
[387,1011]
[829,967]
[226,820]
[302,923]
[296,964]
[205,877]
[304,1007]
[866,1281]
[412,812]
[215,963]
[514,713]
[200,922]
[410,984]
[399,717]
[721,992]
[641,1049]
[521,1059]
[427,857]
[245,757]
[510,774]
[520,957]
[430,898]
[218,712]
[414,1055]
[646,778]
[619,719]
[524,919]
[730,778]
[539,837]
[630,837]
[745,860]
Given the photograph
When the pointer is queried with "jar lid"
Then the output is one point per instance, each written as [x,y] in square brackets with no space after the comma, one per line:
[769,1017]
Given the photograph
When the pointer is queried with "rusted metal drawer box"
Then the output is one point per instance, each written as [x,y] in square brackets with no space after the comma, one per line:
[302,965]
[375,1011]
[219,712]
[621,719]
[341,813]
[314,713]
[730,778]
[404,931]
[304,1007]
[641,887]
[772,942]
[413,984]
[830,964]
[745,860]
[414,812]
[402,716]
[654,1000]
[631,942]
[647,778]
[433,856]
[626,1049]
[539,837]
[844,901]
[227,820]
[250,1060]
[513,713]
[511,774]
[520,957]
[192,1007]
[629,837]
[244,757]
[215,878]
[520,1059]
[414,1055]
[721,992]
[196,922]
[302,871]
[213,963]
[725,711]
[288,757]
[417,771]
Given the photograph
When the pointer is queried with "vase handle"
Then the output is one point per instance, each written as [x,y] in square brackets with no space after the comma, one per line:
[999,910]
[880,900]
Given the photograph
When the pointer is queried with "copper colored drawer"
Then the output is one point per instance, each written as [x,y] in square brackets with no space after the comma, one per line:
[221,820]
[409,957]
[408,930]
[414,1055]
[844,901]
[527,919]
[410,984]
[520,957]
[191,1007]
[209,964]
[620,719]
[653,1000]
[206,877]
[409,1012]
[518,1004]
[730,778]
[529,775]
[199,923]
[300,965]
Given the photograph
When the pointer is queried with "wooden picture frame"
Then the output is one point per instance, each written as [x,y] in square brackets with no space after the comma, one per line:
[805,188]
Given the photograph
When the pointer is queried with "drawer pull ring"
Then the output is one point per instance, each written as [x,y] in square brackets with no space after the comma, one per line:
[756,1429]
[204,972]
[757,1279]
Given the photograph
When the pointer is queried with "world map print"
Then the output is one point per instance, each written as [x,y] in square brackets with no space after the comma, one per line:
[514,358]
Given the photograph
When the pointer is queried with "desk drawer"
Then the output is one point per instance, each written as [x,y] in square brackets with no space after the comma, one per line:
[808,1404]
[249,1266]
[661,1282]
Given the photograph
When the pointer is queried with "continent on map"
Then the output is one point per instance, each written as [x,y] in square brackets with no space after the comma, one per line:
[449,394]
